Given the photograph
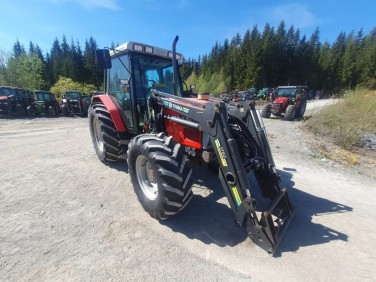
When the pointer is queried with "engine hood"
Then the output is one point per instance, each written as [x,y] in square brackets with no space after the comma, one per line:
[280,100]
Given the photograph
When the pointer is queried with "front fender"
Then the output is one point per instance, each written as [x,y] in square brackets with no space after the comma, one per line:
[113,108]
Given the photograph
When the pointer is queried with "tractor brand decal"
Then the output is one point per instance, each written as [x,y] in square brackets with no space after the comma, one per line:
[221,152]
[175,107]
[236,195]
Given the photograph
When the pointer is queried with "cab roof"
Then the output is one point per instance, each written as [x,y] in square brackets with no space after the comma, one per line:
[132,46]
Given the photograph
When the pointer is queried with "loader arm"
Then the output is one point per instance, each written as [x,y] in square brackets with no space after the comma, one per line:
[228,127]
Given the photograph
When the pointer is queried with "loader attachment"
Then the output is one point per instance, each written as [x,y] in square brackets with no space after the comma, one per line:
[235,134]
[243,152]
[267,232]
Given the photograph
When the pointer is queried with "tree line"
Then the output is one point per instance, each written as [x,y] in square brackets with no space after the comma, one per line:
[266,58]
[281,56]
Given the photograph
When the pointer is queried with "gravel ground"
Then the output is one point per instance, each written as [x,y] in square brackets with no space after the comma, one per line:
[64,216]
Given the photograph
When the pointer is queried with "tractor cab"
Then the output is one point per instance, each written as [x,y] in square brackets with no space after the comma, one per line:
[133,69]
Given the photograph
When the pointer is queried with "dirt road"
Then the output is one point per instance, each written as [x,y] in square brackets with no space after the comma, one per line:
[66,216]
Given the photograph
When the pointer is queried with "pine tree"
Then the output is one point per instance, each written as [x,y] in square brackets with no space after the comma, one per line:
[93,74]
[18,49]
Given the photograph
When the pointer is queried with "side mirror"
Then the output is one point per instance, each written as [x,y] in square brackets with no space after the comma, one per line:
[103,58]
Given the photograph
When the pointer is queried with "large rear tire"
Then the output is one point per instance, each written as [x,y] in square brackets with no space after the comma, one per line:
[302,109]
[20,110]
[266,110]
[160,174]
[51,111]
[103,134]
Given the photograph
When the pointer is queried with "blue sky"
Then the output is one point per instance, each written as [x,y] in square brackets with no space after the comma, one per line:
[199,24]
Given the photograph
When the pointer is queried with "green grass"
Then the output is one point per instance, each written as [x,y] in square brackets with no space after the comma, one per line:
[347,121]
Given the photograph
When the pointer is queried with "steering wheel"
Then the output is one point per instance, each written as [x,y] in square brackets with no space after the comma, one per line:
[153,83]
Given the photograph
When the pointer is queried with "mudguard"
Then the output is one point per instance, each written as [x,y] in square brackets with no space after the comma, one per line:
[112,106]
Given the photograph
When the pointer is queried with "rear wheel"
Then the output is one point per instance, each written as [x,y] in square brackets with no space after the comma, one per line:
[103,134]
[290,112]
[51,111]
[160,174]
[20,110]
[302,109]
[266,111]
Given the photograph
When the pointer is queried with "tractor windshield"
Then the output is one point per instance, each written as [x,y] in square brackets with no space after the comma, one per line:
[72,95]
[286,92]
[39,96]
[154,73]
[4,91]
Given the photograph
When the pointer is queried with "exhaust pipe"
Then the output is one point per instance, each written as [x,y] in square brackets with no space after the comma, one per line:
[174,64]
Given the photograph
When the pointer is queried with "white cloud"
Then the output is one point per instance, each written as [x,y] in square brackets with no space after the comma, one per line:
[294,14]
[107,4]
[183,3]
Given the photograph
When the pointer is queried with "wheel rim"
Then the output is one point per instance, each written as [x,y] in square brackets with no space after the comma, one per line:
[146,178]
[98,134]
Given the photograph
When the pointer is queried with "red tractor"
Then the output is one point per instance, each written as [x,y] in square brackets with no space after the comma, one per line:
[287,101]
[162,129]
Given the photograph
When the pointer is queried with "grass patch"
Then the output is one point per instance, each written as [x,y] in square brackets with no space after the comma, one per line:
[347,121]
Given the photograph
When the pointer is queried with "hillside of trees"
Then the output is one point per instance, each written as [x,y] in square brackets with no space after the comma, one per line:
[266,58]
[284,57]
[30,69]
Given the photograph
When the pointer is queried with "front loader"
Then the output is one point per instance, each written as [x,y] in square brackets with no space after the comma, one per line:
[163,129]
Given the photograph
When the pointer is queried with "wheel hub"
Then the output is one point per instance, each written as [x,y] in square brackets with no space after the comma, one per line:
[146,177]
[98,133]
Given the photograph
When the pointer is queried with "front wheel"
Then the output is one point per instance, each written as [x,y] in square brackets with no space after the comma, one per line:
[30,111]
[64,110]
[160,174]
[290,112]
[20,110]
[266,111]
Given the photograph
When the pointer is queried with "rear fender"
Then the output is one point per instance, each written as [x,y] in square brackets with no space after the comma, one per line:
[114,109]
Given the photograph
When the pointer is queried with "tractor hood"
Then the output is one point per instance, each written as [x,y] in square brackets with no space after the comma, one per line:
[280,100]
[4,98]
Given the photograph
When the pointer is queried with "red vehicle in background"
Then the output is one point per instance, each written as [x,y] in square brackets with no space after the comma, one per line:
[289,102]
[15,101]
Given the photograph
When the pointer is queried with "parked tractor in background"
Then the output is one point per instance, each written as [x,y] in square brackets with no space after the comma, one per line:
[73,103]
[86,101]
[15,101]
[162,129]
[45,103]
[289,102]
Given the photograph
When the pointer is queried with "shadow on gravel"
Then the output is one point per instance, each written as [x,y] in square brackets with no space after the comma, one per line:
[204,218]
[119,166]
[213,222]
[302,231]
